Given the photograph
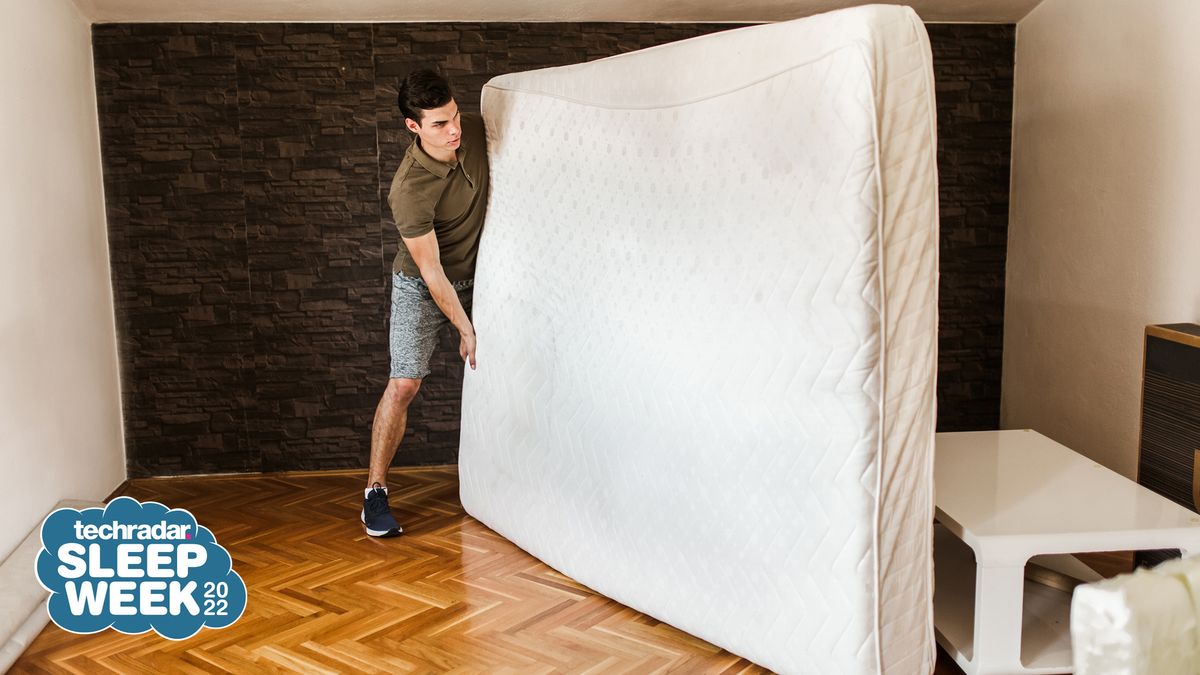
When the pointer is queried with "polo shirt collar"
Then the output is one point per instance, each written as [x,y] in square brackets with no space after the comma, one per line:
[433,166]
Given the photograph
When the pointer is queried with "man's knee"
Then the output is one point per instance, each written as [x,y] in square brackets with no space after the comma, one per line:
[402,390]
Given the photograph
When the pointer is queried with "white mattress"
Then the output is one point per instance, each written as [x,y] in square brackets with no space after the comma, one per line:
[706,308]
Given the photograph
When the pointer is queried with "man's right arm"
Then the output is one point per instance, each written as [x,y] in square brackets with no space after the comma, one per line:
[426,254]
[414,210]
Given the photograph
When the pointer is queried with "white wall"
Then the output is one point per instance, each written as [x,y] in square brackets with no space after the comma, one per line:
[1105,215]
[60,415]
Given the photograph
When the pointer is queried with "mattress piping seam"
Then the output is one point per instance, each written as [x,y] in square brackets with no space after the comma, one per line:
[931,651]
[882,362]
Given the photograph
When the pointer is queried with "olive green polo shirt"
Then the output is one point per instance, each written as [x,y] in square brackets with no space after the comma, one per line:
[447,198]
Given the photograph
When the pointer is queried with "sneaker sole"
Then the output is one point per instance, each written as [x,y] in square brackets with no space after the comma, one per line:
[378,533]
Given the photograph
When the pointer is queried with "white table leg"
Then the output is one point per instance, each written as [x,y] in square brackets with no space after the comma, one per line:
[999,597]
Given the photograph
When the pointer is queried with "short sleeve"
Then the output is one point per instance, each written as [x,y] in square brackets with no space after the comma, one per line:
[413,197]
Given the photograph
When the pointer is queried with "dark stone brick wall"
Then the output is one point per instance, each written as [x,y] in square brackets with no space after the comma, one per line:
[246,169]
[306,97]
[173,182]
[973,67]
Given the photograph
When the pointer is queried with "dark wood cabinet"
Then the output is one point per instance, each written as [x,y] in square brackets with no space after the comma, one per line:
[1170,439]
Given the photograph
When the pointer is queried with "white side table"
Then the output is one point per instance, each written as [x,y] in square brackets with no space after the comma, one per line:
[1005,497]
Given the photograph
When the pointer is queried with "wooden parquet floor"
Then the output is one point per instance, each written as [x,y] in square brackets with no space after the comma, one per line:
[449,596]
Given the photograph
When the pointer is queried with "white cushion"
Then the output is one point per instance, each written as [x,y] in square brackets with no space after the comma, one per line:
[22,599]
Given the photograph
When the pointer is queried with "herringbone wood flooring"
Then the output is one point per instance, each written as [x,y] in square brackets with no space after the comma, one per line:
[449,595]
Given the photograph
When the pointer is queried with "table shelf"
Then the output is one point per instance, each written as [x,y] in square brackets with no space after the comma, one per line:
[1006,497]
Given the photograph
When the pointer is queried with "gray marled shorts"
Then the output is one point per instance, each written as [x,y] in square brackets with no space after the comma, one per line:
[416,321]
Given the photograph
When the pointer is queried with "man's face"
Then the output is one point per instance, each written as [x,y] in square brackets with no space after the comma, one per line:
[439,130]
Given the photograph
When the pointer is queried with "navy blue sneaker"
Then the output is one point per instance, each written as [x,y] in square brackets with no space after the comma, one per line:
[377,515]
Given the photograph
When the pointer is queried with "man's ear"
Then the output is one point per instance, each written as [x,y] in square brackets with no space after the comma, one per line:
[412,126]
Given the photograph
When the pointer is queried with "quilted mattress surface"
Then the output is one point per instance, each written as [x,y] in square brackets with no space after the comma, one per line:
[706,309]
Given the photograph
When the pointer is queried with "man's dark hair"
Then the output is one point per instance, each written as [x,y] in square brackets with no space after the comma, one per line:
[422,90]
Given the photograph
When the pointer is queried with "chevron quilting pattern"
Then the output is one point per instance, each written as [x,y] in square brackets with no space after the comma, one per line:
[707,309]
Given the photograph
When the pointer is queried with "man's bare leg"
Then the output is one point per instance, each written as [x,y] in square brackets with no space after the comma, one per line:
[391,417]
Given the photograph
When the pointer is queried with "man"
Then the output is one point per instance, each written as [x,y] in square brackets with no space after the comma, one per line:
[438,198]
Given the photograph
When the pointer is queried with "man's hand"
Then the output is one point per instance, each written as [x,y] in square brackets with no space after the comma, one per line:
[466,347]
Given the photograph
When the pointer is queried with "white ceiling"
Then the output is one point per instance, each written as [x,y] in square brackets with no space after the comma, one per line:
[120,11]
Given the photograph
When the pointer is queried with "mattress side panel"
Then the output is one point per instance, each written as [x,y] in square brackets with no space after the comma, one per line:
[908,177]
